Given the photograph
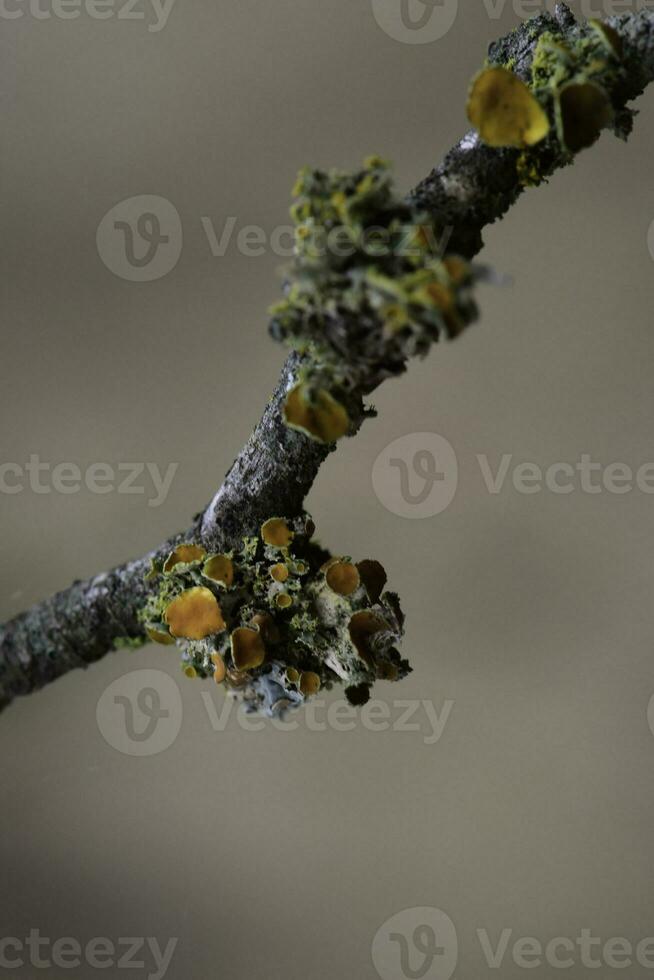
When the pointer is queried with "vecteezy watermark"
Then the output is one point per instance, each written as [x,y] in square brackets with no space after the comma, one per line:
[140,713]
[650,714]
[140,238]
[425,21]
[40,477]
[415,21]
[422,944]
[99,953]
[341,241]
[650,239]
[419,717]
[416,476]
[417,944]
[155,12]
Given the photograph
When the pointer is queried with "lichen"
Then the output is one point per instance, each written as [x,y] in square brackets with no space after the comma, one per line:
[572,74]
[293,621]
[368,288]
[129,642]
[504,110]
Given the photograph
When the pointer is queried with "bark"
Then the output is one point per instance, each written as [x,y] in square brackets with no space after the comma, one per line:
[473,187]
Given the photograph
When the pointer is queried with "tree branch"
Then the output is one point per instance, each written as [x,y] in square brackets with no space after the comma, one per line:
[473,187]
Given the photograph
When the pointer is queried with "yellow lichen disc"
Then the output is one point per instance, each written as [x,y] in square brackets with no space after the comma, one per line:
[248,650]
[219,568]
[583,112]
[309,683]
[315,413]
[219,668]
[194,614]
[159,636]
[276,532]
[342,577]
[184,554]
[504,111]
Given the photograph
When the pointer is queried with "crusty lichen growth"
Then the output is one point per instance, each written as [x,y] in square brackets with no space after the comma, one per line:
[576,76]
[369,287]
[279,619]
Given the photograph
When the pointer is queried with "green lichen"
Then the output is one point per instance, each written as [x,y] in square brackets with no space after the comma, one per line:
[369,285]
[308,633]
[129,642]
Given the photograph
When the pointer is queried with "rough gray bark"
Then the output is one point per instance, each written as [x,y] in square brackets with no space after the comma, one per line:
[472,187]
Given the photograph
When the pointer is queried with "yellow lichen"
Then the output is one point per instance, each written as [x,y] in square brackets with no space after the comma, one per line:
[266,626]
[584,109]
[194,614]
[316,413]
[309,683]
[276,532]
[609,36]
[342,577]
[363,625]
[184,554]
[159,636]
[248,650]
[219,670]
[279,572]
[457,269]
[504,111]
[220,569]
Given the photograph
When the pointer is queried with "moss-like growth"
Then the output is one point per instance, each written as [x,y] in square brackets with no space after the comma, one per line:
[292,622]
[368,288]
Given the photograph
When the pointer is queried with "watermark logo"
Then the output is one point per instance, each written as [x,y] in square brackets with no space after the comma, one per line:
[140,238]
[155,12]
[99,953]
[421,717]
[416,476]
[650,714]
[415,21]
[425,21]
[140,713]
[650,239]
[421,944]
[41,477]
[417,944]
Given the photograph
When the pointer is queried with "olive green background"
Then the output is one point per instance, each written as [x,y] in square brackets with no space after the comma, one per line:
[281,854]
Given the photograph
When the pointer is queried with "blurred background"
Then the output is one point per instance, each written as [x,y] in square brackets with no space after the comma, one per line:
[530,622]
